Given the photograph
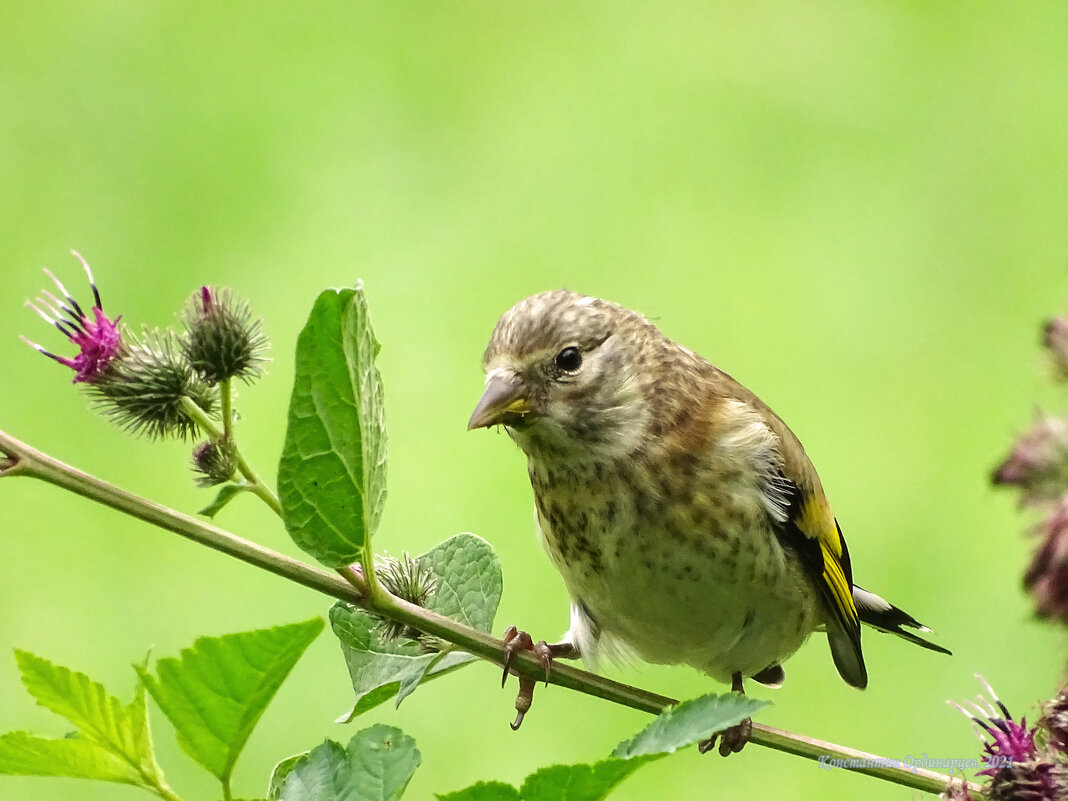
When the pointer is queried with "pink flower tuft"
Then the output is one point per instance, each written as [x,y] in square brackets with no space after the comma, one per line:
[97,336]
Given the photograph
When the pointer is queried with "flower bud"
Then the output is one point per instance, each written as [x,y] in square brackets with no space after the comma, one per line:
[222,340]
[1055,339]
[214,461]
[1038,464]
[1047,576]
[143,390]
[407,578]
[1055,721]
[957,791]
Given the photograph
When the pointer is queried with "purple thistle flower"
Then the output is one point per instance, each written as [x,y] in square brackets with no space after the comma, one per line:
[1047,576]
[1010,742]
[1055,339]
[1038,464]
[222,339]
[97,337]
[1017,767]
[1055,722]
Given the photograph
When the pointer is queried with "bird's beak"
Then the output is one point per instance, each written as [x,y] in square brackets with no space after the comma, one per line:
[503,402]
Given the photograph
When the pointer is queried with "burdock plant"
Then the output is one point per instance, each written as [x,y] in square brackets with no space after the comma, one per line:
[399,622]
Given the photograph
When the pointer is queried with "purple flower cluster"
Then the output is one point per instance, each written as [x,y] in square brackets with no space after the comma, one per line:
[1037,467]
[148,384]
[1023,763]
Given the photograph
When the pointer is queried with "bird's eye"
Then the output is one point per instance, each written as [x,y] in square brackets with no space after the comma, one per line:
[569,359]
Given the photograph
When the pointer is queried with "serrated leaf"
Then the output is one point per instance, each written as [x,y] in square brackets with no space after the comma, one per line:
[226,494]
[688,723]
[483,791]
[377,766]
[580,782]
[280,773]
[216,691]
[468,587]
[557,783]
[22,754]
[100,717]
[332,475]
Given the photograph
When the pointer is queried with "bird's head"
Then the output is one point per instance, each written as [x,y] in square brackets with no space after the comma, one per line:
[564,375]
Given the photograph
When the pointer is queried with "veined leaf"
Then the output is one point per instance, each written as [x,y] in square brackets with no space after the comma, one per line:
[332,475]
[688,723]
[376,766]
[468,588]
[216,691]
[100,717]
[23,754]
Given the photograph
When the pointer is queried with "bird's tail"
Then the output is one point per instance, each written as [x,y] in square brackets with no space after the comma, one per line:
[884,616]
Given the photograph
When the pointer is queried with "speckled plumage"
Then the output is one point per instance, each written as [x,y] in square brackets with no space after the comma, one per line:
[684,516]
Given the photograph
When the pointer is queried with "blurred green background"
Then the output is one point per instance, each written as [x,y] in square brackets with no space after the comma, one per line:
[858,209]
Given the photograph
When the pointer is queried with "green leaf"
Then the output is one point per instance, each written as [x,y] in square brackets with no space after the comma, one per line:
[22,754]
[378,665]
[377,766]
[688,723]
[469,583]
[483,791]
[468,587]
[216,691]
[332,476]
[281,773]
[226,494]
[369,700]
[432,670]
[101,718]
[558,783]
[580,782]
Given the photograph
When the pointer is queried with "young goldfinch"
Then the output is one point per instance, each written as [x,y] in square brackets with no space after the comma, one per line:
[687,521]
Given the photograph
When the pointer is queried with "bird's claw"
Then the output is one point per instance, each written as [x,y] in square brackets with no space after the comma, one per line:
[733,739]
[524,698]
[514,642]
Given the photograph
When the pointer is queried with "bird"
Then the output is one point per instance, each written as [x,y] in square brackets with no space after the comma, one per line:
[687,521]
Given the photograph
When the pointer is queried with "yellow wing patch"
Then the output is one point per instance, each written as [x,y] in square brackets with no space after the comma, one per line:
[817,522]
[841,590]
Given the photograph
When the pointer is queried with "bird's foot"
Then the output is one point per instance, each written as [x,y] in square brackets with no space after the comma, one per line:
[731,740]
[516,641]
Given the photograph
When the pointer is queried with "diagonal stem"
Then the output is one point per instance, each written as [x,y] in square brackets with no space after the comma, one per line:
[351,587]
[205,423]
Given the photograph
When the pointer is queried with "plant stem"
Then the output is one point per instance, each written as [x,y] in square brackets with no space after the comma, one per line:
[165,792]
[226,409]
[352,587]
[200,417]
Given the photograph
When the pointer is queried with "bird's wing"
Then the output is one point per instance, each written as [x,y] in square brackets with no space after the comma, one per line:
[799,513]
[811,532]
